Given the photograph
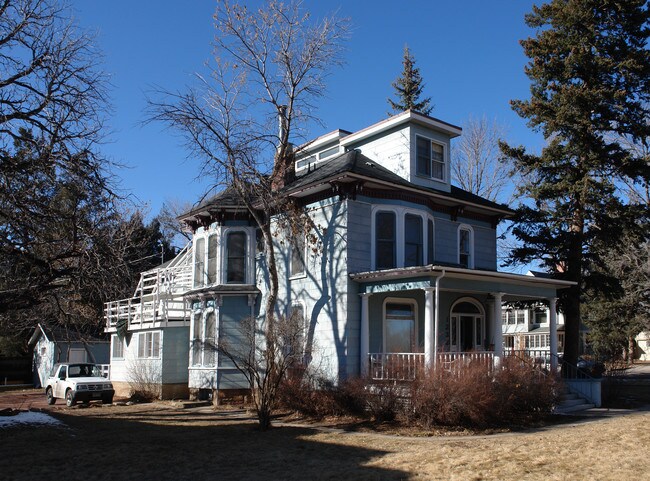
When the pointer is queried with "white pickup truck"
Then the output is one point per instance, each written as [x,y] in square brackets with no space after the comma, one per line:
[78,382]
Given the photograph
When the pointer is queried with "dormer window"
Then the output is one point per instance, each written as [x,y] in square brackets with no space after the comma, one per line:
[430,158]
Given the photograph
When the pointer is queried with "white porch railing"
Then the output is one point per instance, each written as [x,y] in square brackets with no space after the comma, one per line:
[403,366]
[540,357]
[406,366]
[158,296]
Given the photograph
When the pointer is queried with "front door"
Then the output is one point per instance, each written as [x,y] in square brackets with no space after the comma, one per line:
[466,333]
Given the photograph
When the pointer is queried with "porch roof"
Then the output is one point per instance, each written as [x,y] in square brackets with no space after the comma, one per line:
[512,286]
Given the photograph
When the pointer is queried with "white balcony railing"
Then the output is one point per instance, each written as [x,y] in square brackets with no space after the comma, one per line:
[158,297]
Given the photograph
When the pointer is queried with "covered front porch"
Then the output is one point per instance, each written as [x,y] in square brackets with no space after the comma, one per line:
[419,318]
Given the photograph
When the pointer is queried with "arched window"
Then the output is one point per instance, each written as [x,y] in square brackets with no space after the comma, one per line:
[236,257]
[212,259]
[400,326]
[465,246]
[199,262]
[412,240]
[385,240]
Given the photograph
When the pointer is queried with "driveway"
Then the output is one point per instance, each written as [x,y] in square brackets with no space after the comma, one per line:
[23,400]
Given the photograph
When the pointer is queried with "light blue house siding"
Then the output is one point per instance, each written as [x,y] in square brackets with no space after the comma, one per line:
[175,355]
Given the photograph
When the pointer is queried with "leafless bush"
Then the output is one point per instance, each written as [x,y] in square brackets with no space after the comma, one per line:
[516,393]
[145,380]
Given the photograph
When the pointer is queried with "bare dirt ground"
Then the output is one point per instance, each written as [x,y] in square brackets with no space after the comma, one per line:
[159,442]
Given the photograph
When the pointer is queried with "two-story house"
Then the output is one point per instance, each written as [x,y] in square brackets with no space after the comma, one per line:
[405,266]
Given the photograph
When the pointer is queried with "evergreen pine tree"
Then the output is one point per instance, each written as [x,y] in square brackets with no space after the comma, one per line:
[408,88]
[590,73]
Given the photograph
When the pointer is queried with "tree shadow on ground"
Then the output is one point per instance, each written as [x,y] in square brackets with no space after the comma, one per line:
[160,445]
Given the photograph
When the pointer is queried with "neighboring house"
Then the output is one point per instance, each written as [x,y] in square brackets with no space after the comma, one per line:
[52,345]
[642,346]
[404,265]
[150,331]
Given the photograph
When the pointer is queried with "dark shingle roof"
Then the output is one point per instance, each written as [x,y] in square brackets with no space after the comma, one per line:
[357,163]
[351,162]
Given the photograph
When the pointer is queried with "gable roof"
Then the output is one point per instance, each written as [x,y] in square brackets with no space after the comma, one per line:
[61,334]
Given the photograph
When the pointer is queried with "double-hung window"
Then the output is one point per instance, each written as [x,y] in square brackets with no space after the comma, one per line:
[385,240]
[297,259]
[412,240]
[430,158]
[465,247]
[149,344]
[212,259]
[117,347]
[236,258]
[199,262]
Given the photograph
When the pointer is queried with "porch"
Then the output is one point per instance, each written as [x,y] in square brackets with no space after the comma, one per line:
[408,366]
[418,318]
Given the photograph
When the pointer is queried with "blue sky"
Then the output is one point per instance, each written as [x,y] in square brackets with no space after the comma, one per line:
[468,53]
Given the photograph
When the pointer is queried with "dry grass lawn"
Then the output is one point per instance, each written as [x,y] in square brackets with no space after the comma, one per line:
[159,442]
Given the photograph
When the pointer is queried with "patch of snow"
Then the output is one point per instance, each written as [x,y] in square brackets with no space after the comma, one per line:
[29,417]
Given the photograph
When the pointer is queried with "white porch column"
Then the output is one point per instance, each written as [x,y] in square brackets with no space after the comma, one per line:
[497,333]
[430,329]
[364,334]
[552,325]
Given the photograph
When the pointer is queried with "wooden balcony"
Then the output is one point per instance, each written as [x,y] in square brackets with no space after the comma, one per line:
[157,300]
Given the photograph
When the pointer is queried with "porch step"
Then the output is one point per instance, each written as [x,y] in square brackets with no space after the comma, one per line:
[570,402]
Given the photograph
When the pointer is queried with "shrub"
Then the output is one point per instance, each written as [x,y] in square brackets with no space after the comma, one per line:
[469,396]
[515,393]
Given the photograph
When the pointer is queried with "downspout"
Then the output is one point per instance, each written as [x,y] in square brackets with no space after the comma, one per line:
[436,320]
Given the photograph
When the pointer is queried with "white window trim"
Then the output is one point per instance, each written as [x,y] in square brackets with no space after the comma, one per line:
[250,238]
[475,302]
[154,355]
[115,338]
[217,261]
[427,240]
[400,300]
[445,163]
[201,317]
[305,326]
[468,228]
[303,274]
[400,234]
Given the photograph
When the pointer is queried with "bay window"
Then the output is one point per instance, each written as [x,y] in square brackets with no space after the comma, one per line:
[412,240]
[385,240]
[236,258]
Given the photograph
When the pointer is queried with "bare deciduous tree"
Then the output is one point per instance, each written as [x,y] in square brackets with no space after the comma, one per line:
[265,360]
[476,164]
[55,192]
[270,66]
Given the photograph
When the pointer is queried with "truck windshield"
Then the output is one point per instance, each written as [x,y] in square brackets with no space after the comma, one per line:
[83,370]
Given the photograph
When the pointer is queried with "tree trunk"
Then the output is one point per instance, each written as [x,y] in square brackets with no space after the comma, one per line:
[572,298]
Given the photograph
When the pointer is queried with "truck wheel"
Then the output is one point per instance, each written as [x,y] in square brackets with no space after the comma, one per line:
[69,398]
[50,396]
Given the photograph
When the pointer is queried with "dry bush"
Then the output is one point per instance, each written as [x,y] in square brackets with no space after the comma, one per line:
[516,393]
[145,380]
